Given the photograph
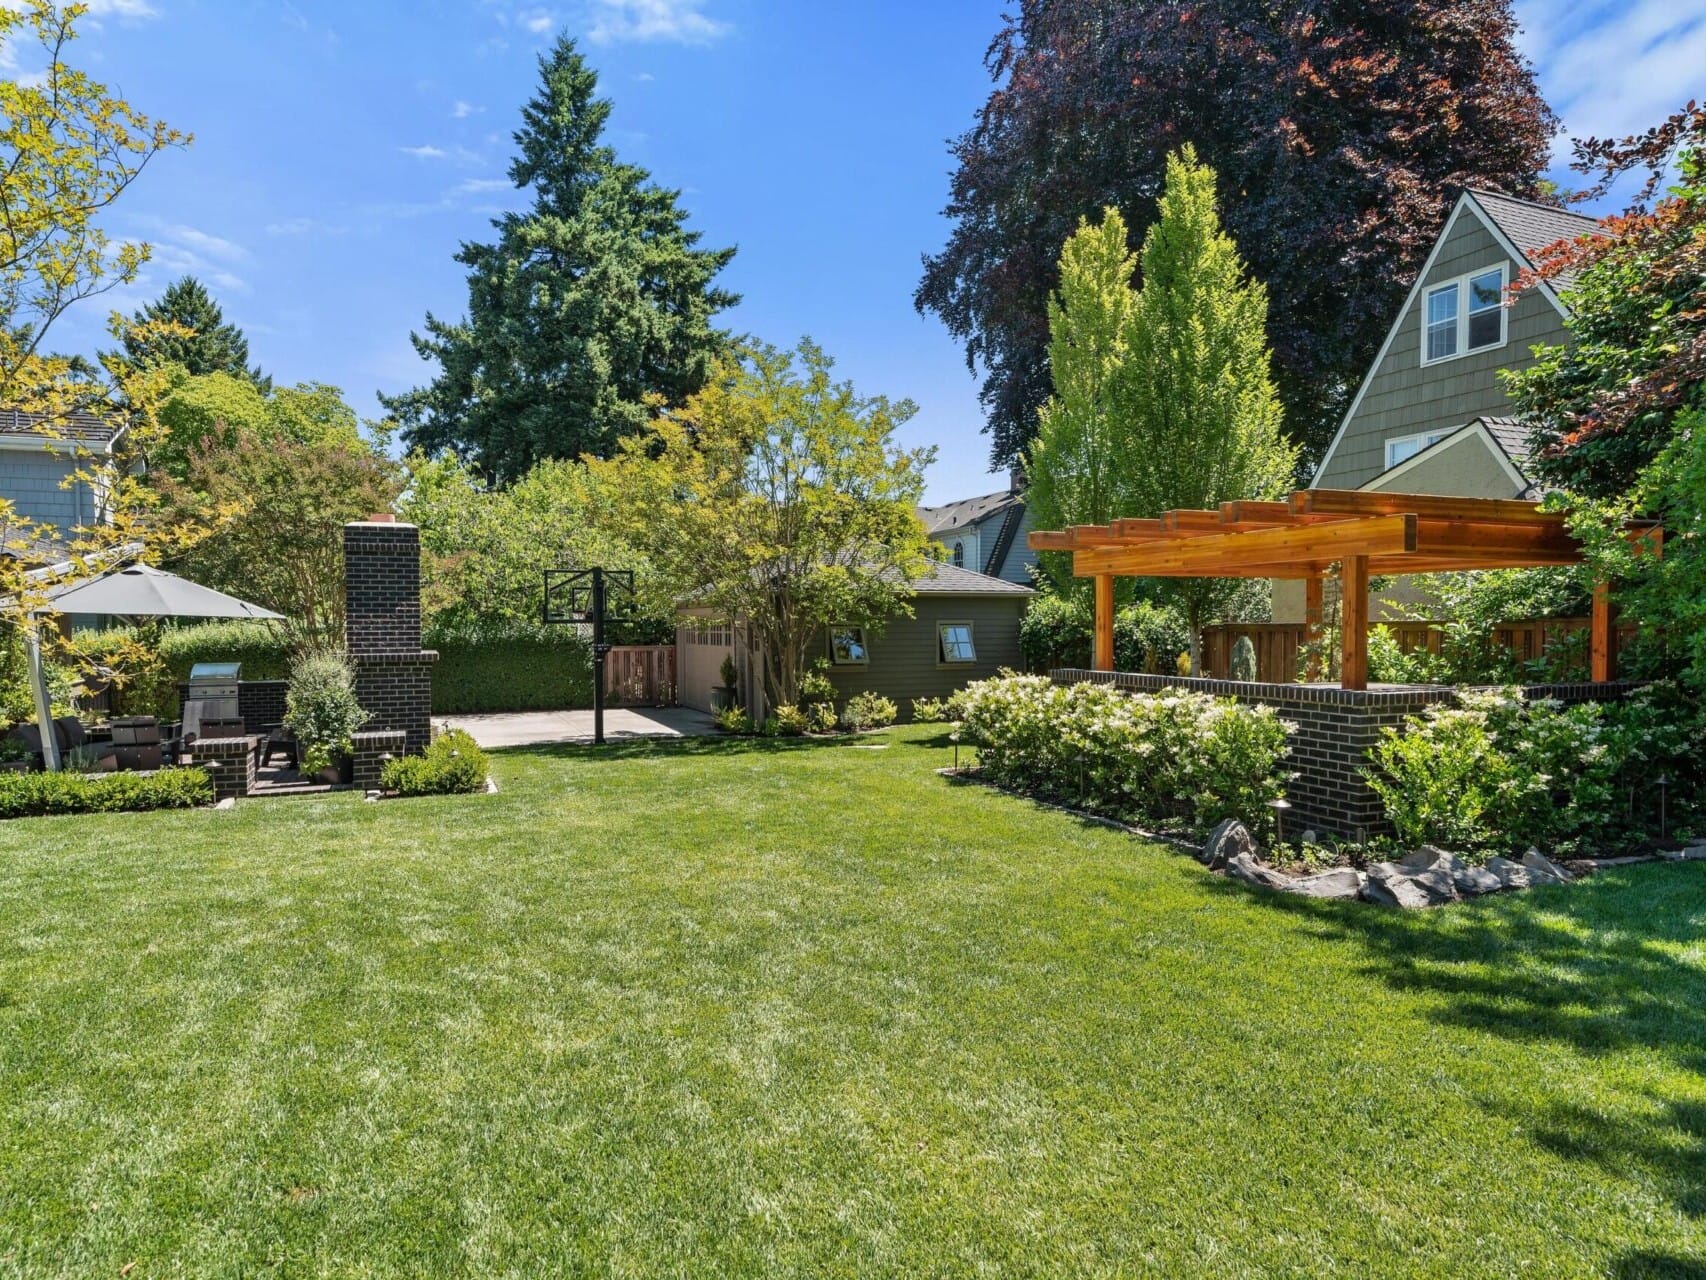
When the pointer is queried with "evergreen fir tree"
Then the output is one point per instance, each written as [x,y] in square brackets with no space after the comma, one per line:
[212,346]
[588,305]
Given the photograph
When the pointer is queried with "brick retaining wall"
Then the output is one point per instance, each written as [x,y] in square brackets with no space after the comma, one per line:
[1335,730]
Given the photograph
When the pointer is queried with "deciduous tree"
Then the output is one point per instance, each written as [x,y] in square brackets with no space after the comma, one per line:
[776,497]
[1341,134]
[588,305]
[1165,398]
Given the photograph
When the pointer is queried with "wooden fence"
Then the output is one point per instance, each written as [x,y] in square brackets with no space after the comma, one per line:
[640,675]
[1277,643]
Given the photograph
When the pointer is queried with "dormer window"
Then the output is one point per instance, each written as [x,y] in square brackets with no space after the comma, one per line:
[1463,315]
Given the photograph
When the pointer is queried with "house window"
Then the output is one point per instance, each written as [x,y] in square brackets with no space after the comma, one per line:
[847,647]
[1463,315]
[954,643]
[1442,323]
[1403,447]
[959,555]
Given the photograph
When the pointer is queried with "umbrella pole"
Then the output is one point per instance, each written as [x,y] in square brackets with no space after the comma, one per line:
[38,686]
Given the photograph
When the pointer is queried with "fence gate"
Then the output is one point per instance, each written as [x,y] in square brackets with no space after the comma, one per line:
[640,675]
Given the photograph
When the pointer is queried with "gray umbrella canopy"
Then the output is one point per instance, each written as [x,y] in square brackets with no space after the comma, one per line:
[140,591]
[136,591]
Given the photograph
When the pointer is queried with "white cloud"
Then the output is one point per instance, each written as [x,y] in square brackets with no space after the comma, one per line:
[461,110]
[537,21]
[1613,67]
[680,21]
[131,9]
[425,151]
[474,186]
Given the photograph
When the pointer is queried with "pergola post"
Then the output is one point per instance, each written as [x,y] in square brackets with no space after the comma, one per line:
[1603,661]
[1313,597]
[1353,625]
[1103,659]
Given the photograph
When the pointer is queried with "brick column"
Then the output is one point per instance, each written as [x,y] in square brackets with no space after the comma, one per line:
[230,762]
[382,629]
[373,747]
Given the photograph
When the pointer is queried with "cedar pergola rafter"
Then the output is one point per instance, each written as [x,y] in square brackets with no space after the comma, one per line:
[1315,530]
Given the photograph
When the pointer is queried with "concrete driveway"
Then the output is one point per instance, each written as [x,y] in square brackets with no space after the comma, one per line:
[530,728]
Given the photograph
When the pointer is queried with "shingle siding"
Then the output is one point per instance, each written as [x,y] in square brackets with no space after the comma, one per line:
[903,663]
[1405,397]
[31,479]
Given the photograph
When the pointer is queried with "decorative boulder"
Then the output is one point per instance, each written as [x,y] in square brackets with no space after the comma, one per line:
[1394,885]
[1428,858]
[1542,870]
[1245,867]
[1471,882]
[1226,842]
[1340,882]
[1511,875]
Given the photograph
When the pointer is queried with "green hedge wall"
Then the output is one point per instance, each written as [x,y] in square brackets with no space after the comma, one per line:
[480,668]
[537,668]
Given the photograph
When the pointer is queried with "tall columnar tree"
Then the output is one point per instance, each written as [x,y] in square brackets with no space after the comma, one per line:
[185,326]
[1167,400]
[588,307]
[1341,133]
[1074,464]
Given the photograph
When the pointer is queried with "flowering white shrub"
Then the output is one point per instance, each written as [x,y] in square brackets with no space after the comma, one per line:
[1495,773]
[1170,757]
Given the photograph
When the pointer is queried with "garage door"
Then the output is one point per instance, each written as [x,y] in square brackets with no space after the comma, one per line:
[700,651]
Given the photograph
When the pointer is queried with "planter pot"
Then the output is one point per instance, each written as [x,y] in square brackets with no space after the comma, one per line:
[722,697]
[340,771]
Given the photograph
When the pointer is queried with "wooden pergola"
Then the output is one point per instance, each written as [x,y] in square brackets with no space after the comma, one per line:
[1307,535]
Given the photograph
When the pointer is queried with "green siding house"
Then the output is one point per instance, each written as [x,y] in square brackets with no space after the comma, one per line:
[964,627]
[1432,416]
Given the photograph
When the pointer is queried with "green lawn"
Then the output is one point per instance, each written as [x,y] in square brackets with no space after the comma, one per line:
[721,1009]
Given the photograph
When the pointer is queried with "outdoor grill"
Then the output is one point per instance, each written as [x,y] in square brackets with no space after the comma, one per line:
[213,696]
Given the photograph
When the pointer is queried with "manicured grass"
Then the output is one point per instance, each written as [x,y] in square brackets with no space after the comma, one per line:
[758,1010]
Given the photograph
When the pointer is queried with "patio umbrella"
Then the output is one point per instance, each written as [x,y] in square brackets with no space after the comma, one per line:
[136,591]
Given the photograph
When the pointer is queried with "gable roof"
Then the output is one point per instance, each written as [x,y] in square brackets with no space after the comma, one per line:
[1532,227]
[966,512]
[1505,439]
[944,579]
[1512,435]
[1531,223]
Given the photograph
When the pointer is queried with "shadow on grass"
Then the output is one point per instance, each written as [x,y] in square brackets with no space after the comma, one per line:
[1643,1265]
[1600,967]
[678,748]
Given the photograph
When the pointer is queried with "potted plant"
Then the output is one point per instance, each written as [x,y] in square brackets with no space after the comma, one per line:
[321,708]
[727,694]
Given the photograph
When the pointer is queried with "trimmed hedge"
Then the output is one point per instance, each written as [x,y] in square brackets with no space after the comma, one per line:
[532,668]
[480,668]
[29,795]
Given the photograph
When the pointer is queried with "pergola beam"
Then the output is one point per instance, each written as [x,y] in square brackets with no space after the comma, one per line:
[1314,531]
[1240,554]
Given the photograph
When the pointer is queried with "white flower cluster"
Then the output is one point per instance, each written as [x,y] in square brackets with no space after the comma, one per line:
[1173,757]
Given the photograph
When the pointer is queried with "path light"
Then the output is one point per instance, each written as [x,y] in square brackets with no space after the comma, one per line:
[1663,781]
[1279,805]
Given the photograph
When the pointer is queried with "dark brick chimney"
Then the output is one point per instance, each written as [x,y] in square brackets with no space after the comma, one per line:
[382,627]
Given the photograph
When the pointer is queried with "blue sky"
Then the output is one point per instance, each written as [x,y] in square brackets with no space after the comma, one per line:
[343,150]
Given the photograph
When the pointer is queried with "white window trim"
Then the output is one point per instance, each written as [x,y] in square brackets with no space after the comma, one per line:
[971,636]
[1461,285]
[1420,439]
[864,647]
